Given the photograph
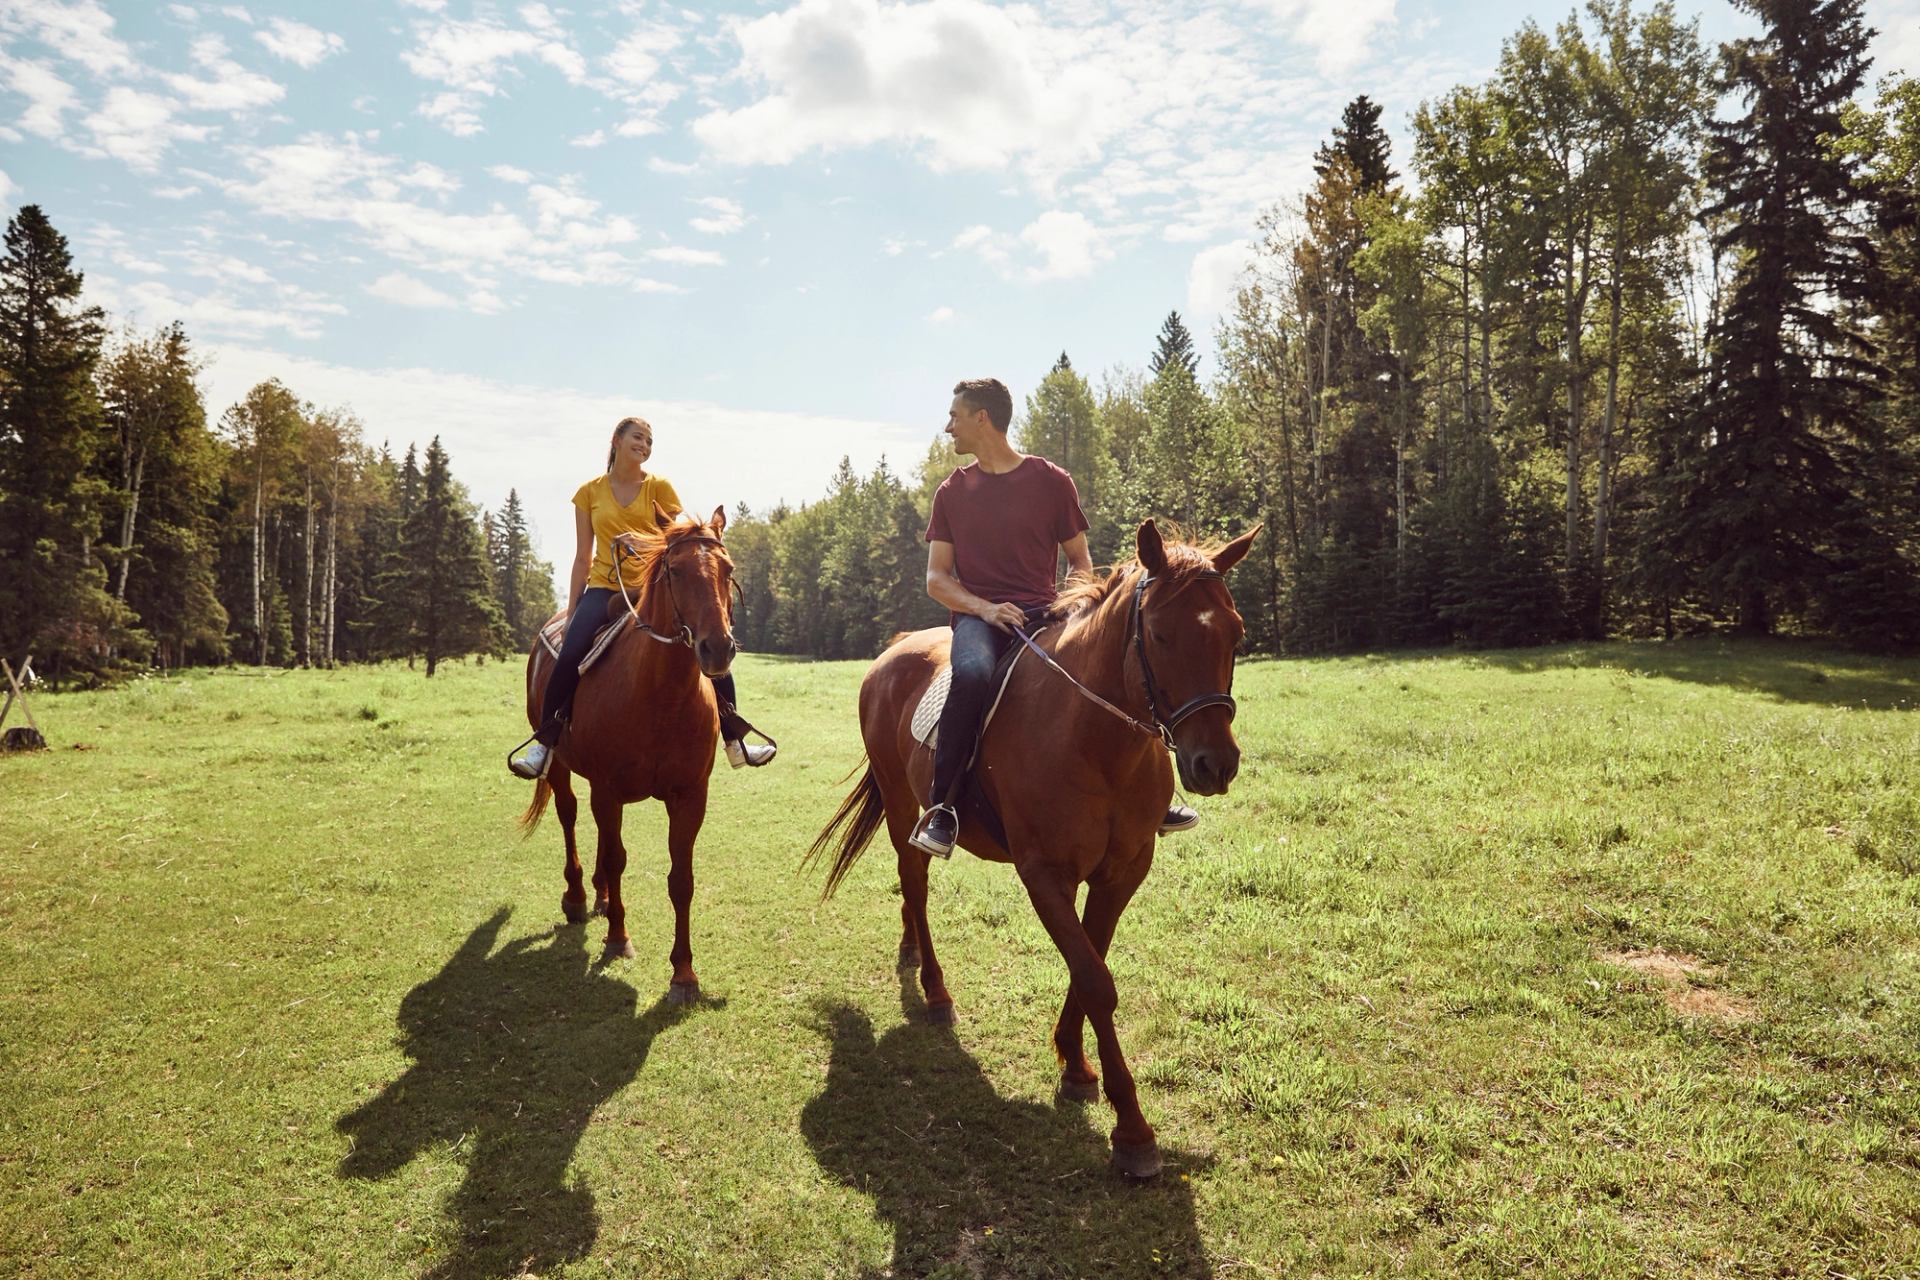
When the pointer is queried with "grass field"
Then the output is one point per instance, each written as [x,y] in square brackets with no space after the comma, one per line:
[1570,962]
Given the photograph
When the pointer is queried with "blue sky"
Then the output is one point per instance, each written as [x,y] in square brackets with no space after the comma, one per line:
[781,231]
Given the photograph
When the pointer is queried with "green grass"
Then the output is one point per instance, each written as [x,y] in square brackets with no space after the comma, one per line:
[282,992]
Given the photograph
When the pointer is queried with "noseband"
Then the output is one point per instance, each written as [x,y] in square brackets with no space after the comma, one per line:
[1165,723]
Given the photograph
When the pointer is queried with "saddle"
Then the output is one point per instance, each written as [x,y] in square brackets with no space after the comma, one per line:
[555,632]
[972,802]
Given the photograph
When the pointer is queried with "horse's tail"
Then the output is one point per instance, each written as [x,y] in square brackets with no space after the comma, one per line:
[542,792]
[861,814]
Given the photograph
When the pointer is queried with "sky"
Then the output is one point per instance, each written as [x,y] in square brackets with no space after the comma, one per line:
[780,231]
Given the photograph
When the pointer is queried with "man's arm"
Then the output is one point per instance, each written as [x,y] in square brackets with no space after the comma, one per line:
[944,585]
[1079,561]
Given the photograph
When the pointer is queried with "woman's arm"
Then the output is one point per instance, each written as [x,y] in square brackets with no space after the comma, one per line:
[582,557]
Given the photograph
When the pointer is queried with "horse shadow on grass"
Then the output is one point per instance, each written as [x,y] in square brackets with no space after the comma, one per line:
[975,1184]
[513,1051]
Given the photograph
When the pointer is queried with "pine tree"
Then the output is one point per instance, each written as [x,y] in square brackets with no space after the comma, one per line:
[447,560]
[512,561]
[54,601]
[1174,347]
[1788,400]
[1360,140]
[1060,426]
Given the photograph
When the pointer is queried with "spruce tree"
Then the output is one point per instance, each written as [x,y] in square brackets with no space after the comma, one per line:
[1363,143]
[1792,377]
[447,560]
[1175,346]
[54,601]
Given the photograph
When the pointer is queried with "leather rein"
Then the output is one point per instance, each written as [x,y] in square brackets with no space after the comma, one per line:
[1162,725]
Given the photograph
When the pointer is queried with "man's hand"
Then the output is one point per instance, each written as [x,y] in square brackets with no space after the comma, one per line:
[1002,617]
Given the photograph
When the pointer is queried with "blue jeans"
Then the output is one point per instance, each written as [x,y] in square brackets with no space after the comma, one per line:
[557,705]
[977,647]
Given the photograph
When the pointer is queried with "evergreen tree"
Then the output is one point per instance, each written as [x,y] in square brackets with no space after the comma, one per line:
[1787,408]
[1061,426]
[447,560]
[54,601]
[1174,347]
[1360,140]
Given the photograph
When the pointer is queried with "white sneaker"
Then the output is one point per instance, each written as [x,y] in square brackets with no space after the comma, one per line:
[741,754]
[531,760]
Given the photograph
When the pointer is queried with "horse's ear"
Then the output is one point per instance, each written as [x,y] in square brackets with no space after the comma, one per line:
[660,517]
[719,522]
[1152,552]
[1231,554]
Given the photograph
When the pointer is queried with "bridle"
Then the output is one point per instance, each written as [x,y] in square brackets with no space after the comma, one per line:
[1166,724]
[1161,726]
[685,634]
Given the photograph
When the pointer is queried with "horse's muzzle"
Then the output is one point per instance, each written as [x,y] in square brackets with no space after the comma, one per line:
[1208,771]
[716,656]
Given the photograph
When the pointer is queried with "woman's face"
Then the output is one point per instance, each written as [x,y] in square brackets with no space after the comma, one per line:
[635,443]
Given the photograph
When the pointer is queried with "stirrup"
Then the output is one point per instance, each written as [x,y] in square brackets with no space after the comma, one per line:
[919,838]
[546,761]
[729,712]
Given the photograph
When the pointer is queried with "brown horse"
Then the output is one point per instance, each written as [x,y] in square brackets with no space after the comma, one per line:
[1079,777]
[644,727]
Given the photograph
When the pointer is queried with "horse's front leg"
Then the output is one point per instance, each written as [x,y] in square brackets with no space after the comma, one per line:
[686,810]
[1051,890]
[1106,901]
[607,813]
[566,807]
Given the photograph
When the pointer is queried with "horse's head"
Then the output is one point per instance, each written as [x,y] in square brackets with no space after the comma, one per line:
[694,574]
[1185,633]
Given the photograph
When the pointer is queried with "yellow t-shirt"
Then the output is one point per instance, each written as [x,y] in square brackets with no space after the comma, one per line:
[610,520]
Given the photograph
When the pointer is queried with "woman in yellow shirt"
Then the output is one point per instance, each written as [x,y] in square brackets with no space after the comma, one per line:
[619,502]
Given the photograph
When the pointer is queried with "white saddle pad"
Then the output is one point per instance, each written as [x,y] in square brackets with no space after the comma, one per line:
[926,716]
[555,633]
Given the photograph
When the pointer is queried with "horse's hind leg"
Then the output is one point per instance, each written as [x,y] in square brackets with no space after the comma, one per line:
[685,812]
[916,939]
[612,862]
[566,807]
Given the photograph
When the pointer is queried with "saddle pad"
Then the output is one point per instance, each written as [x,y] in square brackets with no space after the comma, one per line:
[926,716]
[555,632]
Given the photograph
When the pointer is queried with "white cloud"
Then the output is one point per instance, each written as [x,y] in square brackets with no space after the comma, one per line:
[454,112]
[1213,279]
[661,165]
[48,96]
[137,127]
[295,312]
[1897,47]
[406,291]
[80,31]
[228,86]
[639,127]
[940,315]
[475,60]
[7,190]
[1067,243]
[589,140]
[1339,31]
[507,173]
[687,257]
[299,43]
[724,218]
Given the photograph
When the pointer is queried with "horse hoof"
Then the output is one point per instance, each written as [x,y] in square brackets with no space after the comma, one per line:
[941,1015]
[621,950]
[1072,1090]
[909,960]
[1138,1161]
[576,912]
[600,906]
[683,993]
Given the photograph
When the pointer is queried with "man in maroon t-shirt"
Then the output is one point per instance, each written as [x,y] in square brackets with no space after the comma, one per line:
[991,541]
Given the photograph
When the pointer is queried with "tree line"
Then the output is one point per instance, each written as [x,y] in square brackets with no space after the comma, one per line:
[136,533]
[1639,355]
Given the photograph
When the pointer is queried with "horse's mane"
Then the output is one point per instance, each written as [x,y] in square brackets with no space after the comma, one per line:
[1184,561]
[652,555]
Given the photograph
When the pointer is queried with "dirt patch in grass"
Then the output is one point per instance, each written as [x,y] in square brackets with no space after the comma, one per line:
[1685,983]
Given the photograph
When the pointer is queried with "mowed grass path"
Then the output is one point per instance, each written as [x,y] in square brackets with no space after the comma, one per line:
[1598,962]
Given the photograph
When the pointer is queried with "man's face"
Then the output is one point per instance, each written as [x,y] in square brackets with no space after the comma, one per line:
[967,425]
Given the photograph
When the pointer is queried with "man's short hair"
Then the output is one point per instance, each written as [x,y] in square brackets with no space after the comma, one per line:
[991,395]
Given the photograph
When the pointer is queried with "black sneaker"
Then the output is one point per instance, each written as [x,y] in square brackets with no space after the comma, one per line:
[937,832]
[1179,817]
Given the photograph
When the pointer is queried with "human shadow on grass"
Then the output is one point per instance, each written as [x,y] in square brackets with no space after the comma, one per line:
[513,1052]
[1785,669]
[974,1184]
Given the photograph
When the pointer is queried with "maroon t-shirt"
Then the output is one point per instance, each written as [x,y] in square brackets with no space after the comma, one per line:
[1006,530]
